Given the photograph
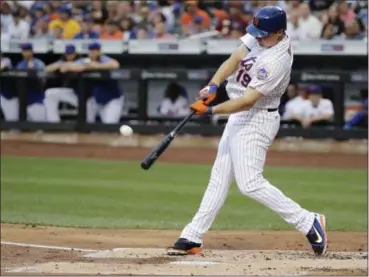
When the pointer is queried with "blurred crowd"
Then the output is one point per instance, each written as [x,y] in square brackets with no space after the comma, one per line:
[124,20]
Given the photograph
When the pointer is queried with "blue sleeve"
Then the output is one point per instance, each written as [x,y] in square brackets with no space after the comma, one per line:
[355,120]
[39,64]
[21,65]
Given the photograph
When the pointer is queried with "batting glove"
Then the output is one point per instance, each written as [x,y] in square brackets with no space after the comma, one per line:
[208,93]
[200,108]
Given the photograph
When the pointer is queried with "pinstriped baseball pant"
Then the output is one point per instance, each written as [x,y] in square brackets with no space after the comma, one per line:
[241,157]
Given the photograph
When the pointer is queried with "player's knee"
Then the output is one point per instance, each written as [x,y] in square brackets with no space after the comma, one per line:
[251,184]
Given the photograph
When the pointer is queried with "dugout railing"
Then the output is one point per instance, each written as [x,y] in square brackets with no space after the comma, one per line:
[198,125]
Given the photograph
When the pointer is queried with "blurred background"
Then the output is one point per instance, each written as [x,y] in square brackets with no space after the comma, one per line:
[166,52]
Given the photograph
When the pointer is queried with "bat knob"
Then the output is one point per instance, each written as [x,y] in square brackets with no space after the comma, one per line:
[145,166]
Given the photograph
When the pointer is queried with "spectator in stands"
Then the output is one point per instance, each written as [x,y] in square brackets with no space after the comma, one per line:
[317,111]
[6,15]
[294,29]
[112,8]
[143,14]
[4,35]
[294,108]
[34,91]
[141,32]
[87,31]
[50,10]
[18,27]
[111,31]
[237,31]
[41,29]
[172,14]
[310,24]
[319,5]
[352,30]
[333,25]
[193,17]
[98,12]
[360,119]
[345,13]
[61,89]
[127,25]
[236,20]
[160,31]
[37,14]
[65,21]
[175,102]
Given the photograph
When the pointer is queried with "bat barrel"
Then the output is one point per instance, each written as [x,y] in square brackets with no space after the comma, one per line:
[155,154]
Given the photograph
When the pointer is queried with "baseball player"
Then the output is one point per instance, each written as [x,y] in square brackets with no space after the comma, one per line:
[107,98]
[60,89]
[34,91]
[258,73]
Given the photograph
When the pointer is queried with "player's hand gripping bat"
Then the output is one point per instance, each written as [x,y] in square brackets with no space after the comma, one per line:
[208,97]
[158,150]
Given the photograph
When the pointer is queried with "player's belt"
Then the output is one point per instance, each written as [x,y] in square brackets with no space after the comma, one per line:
[272,110]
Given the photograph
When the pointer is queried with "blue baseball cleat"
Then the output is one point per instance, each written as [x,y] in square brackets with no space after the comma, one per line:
[317,235]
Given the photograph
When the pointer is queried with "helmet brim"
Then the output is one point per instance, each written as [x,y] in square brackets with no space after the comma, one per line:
[255,32]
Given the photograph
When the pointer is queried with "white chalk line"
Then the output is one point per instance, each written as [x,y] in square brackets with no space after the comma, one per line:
[48,246]
[27,268]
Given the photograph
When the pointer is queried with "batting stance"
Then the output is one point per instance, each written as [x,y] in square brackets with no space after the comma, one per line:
[258,73]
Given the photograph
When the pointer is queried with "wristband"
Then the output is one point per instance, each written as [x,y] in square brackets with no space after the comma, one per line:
[213,88]
[209,111]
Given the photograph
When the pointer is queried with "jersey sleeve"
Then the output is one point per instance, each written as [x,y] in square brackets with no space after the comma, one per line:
[39,64]
[268,76]
[249,41]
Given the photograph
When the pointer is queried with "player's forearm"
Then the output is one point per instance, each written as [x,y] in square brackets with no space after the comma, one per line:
[232,106]
[224,71]
[76,68]
[107,66]
[322,117]
[52,67]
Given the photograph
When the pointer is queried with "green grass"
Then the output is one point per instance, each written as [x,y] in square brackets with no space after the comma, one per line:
[107,194]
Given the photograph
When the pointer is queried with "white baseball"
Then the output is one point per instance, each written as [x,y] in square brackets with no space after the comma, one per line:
[125,130]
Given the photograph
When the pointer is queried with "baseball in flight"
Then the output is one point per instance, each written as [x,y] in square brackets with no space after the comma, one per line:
[125,130]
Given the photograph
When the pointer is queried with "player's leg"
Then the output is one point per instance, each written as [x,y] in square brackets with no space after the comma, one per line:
[36,112]
[248,150]
[10,108]
[53,96]
[112,111]
[222,176]
[91,110]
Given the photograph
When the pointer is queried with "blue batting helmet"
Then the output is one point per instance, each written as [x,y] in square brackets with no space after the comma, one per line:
[267,20]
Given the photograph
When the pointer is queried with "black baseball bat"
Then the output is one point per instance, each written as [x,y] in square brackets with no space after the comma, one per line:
[158,150]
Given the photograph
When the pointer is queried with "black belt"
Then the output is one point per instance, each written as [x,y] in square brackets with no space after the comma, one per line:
[272,110]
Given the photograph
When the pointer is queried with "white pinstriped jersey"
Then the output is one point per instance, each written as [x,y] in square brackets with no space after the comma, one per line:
[267,70]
